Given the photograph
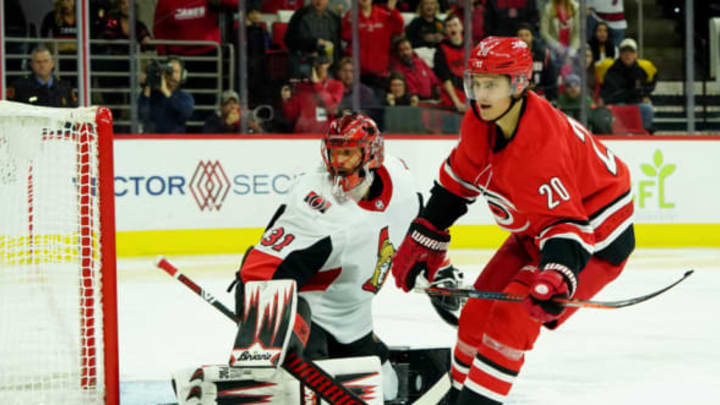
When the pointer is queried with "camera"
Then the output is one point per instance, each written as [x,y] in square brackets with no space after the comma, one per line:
[308,61]
[154,72]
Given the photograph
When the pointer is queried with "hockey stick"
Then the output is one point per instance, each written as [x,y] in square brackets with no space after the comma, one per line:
[568,302]
[309,373]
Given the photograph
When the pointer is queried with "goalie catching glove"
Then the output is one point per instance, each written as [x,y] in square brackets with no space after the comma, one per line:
[423,248]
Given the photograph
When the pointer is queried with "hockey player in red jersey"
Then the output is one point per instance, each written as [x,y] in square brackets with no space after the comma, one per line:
[335,235]
[563,196]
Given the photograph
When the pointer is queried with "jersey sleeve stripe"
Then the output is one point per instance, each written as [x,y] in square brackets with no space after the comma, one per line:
[602,244]
[584,242]
[259,266]
[321,280]
[601,215]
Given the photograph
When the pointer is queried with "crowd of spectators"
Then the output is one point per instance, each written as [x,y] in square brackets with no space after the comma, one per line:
[403,62]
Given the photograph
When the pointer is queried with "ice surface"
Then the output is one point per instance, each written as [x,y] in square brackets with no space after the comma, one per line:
[664,351]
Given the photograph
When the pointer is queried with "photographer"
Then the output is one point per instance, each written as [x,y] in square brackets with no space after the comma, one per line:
[314,102]
[163,106]
[226,120]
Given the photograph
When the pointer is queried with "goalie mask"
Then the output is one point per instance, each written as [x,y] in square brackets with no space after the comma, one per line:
[352,147]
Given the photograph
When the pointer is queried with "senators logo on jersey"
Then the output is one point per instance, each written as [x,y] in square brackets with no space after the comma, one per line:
[384,262]
[317,202]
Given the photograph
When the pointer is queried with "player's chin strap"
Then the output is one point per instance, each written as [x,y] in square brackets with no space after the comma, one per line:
[513,101]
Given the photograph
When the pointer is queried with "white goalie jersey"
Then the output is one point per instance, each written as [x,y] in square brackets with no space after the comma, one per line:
[338,250]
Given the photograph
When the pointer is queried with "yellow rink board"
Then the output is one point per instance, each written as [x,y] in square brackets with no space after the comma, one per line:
[236,240]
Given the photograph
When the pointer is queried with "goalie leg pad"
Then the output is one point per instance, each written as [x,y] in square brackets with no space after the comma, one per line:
[272,322]
[220,384]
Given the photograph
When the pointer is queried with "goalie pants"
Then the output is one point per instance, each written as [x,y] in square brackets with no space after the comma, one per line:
[323,345]
[493,336]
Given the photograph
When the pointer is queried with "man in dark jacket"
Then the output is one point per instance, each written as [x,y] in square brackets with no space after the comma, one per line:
[312,29]
[41,87]
[164,110]
[630,81]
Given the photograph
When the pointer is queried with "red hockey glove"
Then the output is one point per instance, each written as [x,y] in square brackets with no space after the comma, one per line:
[424,247]
[548,284]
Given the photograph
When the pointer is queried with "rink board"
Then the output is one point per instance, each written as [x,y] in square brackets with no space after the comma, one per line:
[215,194]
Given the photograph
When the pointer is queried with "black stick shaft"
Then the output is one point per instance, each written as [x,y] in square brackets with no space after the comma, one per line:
[569,302]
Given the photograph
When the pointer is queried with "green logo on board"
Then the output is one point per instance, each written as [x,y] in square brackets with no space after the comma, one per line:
[658,173]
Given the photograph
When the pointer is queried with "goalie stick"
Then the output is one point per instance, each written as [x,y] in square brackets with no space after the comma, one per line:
[309,373]
[569,302]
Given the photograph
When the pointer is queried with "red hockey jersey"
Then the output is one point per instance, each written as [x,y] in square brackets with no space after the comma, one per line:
[551,181]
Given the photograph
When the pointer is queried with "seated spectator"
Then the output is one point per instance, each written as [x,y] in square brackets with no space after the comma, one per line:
[449,64]
[41,87]
[602,44]
[611,12]
[313,103]
[592,80]
[420,79]
[630,80]
[312,29]
[560,27]
[226,120]
[502,17]
[368,101]
[544,79]
[164,108]
[426,29]
[377,24]
[397,93]
[569,100]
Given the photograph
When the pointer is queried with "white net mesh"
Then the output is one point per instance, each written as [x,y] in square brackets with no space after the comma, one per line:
[51,335]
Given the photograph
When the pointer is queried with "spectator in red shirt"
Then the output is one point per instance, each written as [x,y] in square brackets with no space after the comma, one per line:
[376,26]
[420,79]
[449,64]
[189,21]
[272,6]
[196,20]
[315,102]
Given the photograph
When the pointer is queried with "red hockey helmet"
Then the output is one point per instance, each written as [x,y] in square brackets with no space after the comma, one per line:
[501,56]
[353,130]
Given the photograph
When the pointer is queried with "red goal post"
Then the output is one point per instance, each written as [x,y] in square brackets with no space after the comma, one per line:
[58,305]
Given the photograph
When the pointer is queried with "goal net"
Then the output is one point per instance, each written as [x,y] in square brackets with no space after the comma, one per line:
[58,317]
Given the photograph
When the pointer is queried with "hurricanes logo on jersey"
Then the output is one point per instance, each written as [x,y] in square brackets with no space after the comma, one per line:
[384,262]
